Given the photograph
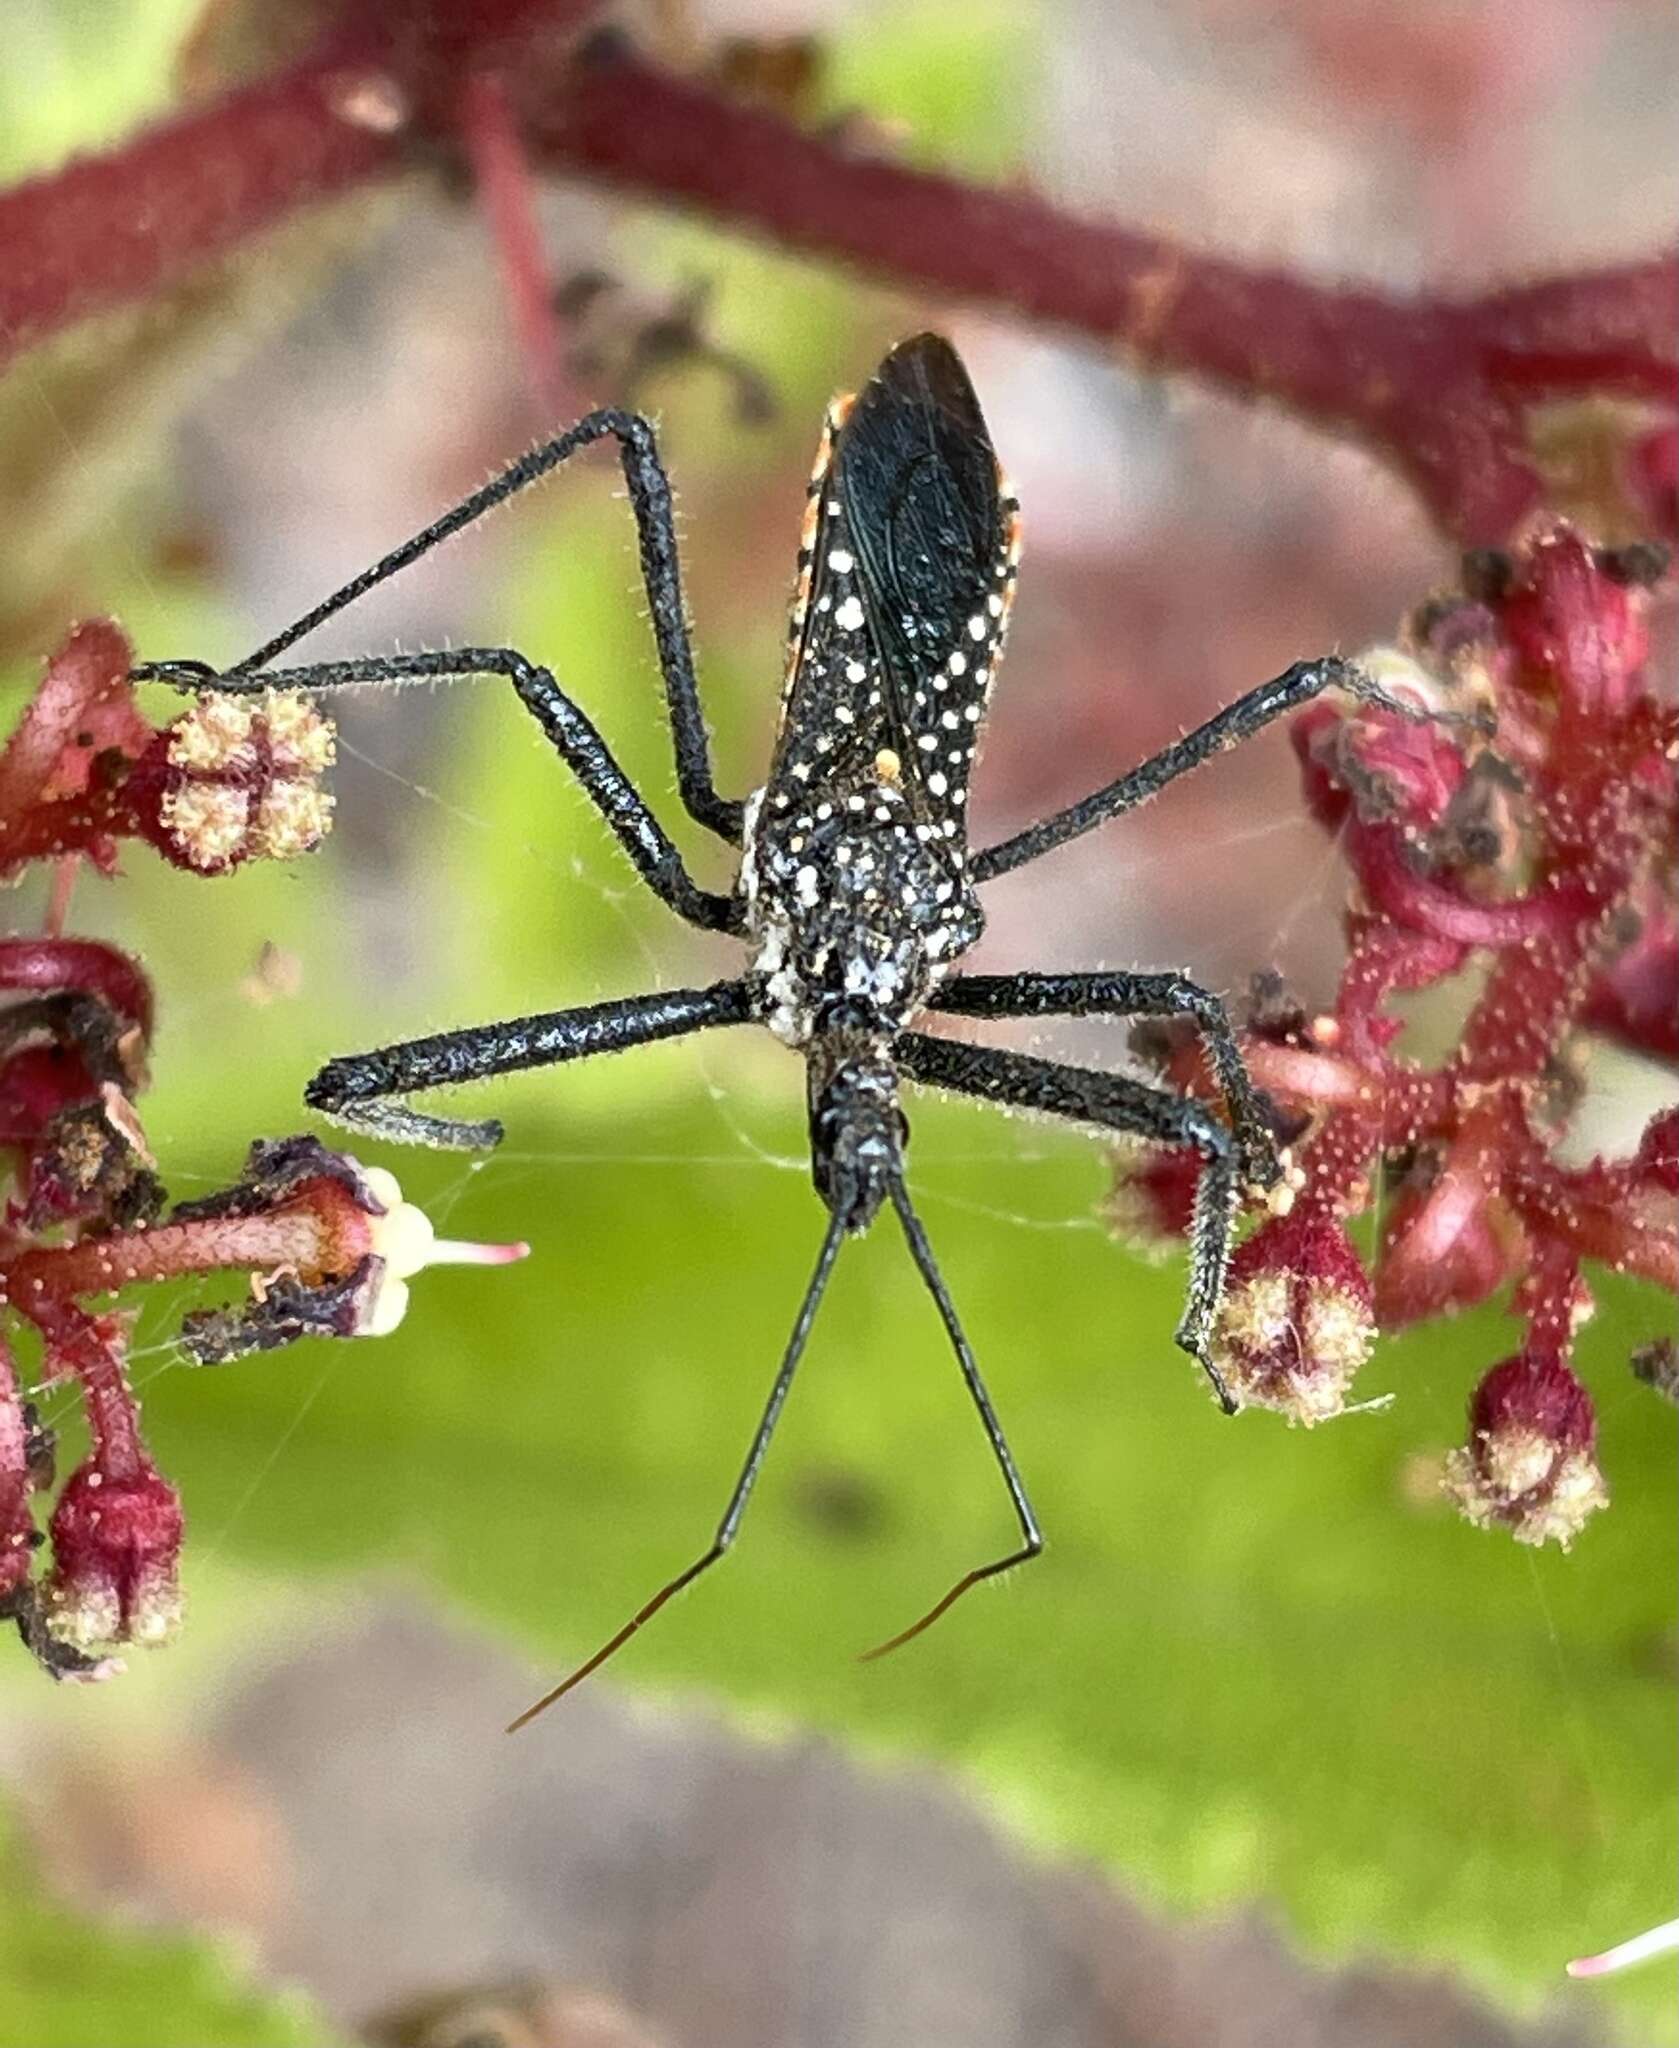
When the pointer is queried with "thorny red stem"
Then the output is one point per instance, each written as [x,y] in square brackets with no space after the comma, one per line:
[1440,387]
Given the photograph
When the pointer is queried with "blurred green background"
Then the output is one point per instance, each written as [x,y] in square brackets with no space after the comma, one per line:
[1256,1669]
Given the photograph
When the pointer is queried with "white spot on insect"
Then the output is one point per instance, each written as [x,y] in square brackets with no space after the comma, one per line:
[949,720]
[927,742]
[982,678]
[948,828]
[797,843]
[780,799]
[937,784]
[874,700]
[976,626]
[958,796]
[956,757]
[824,811]
[823,743]
[887,765]
[941,682]
[854,803]
[855,672]
[883,815]
[849,616]
[958,664]
[824,602]
[804,885]
[801,769]
[844,715]
[841,562]
[923,833]
[971,713]
[843,855]
[944,892]
[833,508]
[994,605]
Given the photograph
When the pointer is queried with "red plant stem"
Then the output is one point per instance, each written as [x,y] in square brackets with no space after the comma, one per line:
[1427,382]
[64,874]
[91,1348]
[295,1238]
[506,190]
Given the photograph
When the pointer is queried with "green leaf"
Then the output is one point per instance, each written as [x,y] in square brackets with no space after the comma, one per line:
[1254,1665]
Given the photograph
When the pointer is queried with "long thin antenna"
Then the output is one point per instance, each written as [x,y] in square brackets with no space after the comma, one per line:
[1031,1537]
[737,1500]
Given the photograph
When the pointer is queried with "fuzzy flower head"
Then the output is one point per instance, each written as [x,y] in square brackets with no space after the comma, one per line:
[1529,1465]
[237,779]
[1296,1321]
[116,1543]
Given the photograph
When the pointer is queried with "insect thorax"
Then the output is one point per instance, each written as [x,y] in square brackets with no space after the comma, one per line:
[852,905]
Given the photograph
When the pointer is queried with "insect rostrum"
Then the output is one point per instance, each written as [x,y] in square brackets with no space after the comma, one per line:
[857,891]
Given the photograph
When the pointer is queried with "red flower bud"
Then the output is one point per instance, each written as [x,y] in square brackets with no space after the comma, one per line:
[1153,1196]
[1389,769]
[1577,630]
[1529,1463]
[1446,1244]
[1296,1322]
[1658,1151]
[116,1540]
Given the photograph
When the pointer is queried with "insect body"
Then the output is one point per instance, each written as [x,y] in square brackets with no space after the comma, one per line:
[854,877]
[857,890]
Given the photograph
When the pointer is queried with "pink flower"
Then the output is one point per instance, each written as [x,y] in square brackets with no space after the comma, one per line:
[116,1543]
[1296,1322]
[1529,1465]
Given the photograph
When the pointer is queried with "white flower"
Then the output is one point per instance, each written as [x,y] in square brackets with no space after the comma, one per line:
[405,1243]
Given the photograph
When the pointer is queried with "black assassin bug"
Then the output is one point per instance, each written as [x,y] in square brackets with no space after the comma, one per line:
[856,890]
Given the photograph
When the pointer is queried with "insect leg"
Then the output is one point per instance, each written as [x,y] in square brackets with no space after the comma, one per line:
[356,1090]
[1112,1102]
[569,729]
[1226,728]
[650,500]
[730,1524]
[1104,994]
[1031,1537]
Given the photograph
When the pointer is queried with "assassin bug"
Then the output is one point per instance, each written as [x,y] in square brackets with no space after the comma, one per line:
[857,889]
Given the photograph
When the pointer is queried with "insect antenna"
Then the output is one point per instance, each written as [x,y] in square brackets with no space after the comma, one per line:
[1031,1538]
[736,1508]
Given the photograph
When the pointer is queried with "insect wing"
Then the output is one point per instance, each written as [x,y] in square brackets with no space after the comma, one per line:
[934,534]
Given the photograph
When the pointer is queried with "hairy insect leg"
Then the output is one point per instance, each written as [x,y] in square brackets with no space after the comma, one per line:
[1031,1537]
[1103,994]
[650,501]
[1112,1102]
[730,1524]
[356,1090]
[1227,728]
[569,729]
